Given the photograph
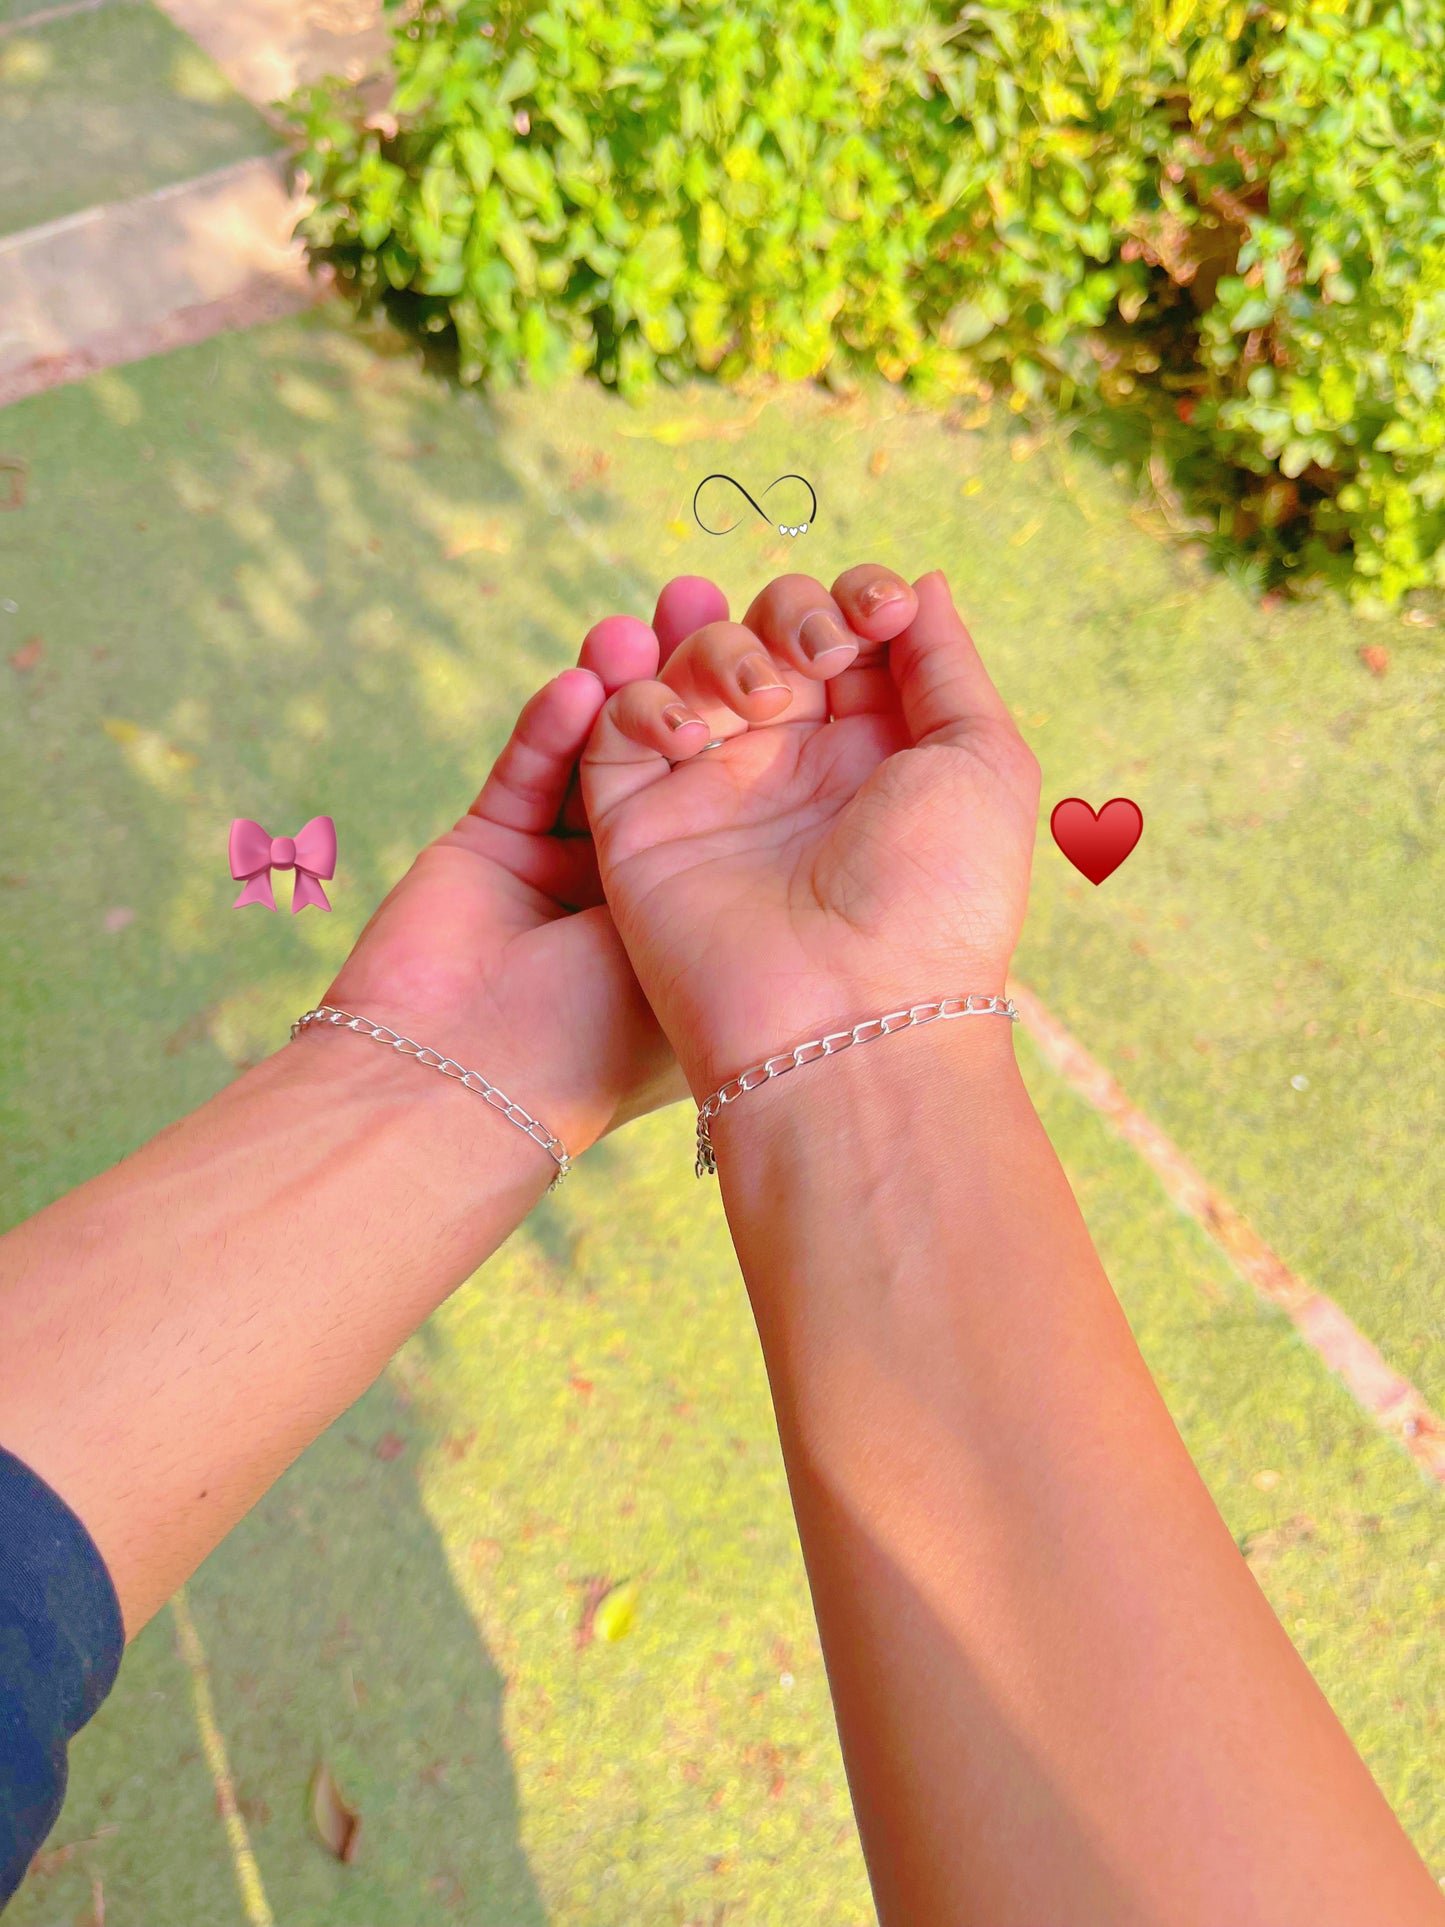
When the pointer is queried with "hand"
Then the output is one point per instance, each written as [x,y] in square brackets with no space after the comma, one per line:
[497,947]
[860,843]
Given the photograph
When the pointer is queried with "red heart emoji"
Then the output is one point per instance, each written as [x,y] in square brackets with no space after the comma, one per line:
[1097,844]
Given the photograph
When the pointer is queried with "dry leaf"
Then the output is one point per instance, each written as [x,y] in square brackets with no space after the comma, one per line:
[616,1612]
[470,537]
[149,752]
[1261,1548]
[389,1446]
[27,655]
[191,1032]
[878,461]
[57,1857]
[595,1591]
[118,918]
[12,494]
[1375,657]
[672,434]
[694,428]
[338,1826]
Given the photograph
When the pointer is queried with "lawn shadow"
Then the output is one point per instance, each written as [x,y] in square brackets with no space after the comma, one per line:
[284,574]
[335,1633]
[301,580]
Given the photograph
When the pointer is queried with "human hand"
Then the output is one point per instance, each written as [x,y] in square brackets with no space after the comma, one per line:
[497,946]
[860,843]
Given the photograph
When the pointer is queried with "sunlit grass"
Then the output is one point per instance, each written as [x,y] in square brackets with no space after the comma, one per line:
[338,609]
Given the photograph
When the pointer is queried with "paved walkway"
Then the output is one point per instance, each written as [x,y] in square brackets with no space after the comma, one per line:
[133,278]
[268,48]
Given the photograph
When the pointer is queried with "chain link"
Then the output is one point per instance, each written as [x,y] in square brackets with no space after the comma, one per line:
[448,1066]
[829,1046]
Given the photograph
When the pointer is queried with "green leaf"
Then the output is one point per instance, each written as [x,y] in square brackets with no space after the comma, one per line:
[519,77]
[474,151]
[658,261]
[1251,314]
[527,173]
[569,124]
[965,325]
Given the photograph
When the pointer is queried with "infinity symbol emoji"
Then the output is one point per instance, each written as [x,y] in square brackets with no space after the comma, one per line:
[783,528]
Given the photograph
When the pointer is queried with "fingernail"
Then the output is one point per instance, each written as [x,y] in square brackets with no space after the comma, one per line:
[878,595]
[823,635]
[756,673]
[678,716]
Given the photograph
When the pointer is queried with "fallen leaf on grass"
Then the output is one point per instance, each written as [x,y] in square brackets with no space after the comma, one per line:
[192,1031]
[694,428]
[27,655]
[59,1857]
[1375,657]
[476,538]
[616,1611]
[149,751]
[389,1446]
[596,1591]
[337,1825]
[118,918]
[12,493]
[1260,1548]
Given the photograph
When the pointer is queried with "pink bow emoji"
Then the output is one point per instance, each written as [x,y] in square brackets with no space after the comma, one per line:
[255,853]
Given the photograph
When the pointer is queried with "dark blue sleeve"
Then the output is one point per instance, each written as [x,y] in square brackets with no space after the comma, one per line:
[61,1641]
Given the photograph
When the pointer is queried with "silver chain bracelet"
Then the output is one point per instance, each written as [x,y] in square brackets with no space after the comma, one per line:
[434,1060]
[829,1046]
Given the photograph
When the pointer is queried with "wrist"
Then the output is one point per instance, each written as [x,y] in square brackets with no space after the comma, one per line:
[521,1085]
[892,1103]
[452,1147]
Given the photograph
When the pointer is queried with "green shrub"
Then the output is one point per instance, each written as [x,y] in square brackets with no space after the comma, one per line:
[1222,220]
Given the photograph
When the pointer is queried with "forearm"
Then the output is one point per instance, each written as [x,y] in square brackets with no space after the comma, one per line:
[174,1333]
[1060,1693]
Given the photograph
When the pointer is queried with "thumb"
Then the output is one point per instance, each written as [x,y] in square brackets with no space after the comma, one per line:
[943,687]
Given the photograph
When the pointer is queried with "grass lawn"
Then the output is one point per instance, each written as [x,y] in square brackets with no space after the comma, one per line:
[282,573]
[105,105]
